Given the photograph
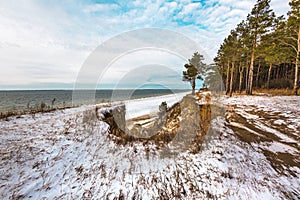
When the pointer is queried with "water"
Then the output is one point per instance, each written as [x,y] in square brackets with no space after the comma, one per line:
[28,99]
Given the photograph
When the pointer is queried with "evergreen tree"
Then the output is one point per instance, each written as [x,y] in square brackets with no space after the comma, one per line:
[259,20]
[194,70]
[270,49]
[263,44]
[233,43]
[244,52]
[231,53]
[293,36]
[223,62]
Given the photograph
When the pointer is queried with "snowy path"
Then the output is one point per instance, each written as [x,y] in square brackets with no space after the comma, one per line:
[58,156]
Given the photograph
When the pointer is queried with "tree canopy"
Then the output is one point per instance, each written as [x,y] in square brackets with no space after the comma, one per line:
[194,70]
[264,48]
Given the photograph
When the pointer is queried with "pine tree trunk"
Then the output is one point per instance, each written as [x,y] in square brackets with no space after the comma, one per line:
[269,76]
[250,80]
[297,65]
[247,75]
[193,84]
[286,70]
[227,78]
[241,79]
[257,76]
[231,78]
[296,75]
[277,72]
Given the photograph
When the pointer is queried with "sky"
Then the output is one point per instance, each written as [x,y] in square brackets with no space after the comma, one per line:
[44,44]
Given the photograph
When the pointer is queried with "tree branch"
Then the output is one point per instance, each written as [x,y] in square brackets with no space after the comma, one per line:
[295,39]
[290,45]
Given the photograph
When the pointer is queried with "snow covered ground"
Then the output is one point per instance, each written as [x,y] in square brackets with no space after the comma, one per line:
[138,107]
[251,153]
[271,126]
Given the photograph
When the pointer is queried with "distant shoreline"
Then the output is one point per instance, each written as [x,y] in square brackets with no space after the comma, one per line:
[133,89]
[17,102]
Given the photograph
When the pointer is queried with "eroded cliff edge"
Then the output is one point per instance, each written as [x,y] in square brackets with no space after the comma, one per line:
[182,126]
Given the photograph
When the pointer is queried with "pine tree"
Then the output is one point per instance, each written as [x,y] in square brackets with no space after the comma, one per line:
[263,44]
[259,20]
[222,61]
[271,50]
[233,43]
[231,53]
[194,70]
[245,47]
[293,36]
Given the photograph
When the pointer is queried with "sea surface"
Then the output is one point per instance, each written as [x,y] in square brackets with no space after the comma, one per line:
[22,100]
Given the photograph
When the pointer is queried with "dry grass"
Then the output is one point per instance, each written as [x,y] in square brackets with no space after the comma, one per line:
[275,92]
[268,92]
[38,108]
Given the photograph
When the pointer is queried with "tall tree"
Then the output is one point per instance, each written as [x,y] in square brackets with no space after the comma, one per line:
[243,48]
[194,70]
[259,20]
[234,43]
[269,44]
[223,60]
[233,51]
[293,37]
[270,50]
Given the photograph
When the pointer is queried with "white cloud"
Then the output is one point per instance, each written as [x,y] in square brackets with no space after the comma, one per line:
[46,42]
[135,59]
[100,8]
[190,8]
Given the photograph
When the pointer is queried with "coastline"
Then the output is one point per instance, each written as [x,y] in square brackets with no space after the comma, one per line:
[137,107]
[33,101]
